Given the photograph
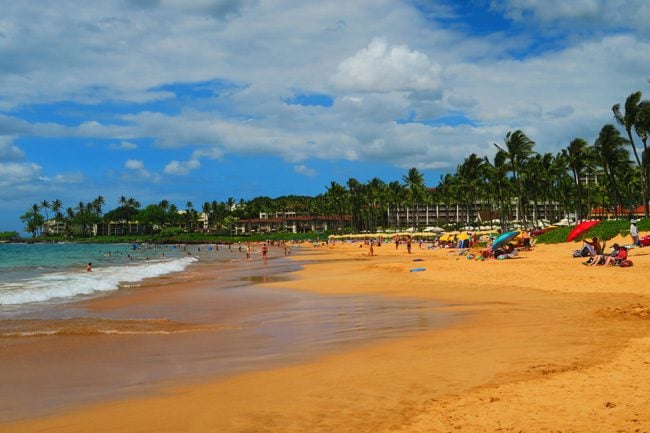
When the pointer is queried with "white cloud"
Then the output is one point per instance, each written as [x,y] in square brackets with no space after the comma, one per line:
[16,176]
[181,168]
[123,145]
[304,170]
[9,151]
[381,61]
[133,164]
[384,68]
[579,15]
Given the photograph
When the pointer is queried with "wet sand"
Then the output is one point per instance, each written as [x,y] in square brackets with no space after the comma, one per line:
[208,322]
[538,343]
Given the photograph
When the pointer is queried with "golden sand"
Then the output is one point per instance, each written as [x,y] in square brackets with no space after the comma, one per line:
[541,343]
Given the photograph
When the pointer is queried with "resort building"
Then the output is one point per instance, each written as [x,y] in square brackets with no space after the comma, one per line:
[441,214]
[54,227]
[290,222]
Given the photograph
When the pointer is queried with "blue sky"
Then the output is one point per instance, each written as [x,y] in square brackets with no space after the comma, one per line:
[210,99]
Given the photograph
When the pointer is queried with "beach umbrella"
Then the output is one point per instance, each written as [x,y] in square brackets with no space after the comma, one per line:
[503,238]
[581,229]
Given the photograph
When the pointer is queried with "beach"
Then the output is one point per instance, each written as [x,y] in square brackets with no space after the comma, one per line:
[535,343]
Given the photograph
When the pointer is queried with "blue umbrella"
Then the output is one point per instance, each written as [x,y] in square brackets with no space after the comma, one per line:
[503,238]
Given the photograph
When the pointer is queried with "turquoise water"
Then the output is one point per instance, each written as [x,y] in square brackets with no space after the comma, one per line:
[45,272]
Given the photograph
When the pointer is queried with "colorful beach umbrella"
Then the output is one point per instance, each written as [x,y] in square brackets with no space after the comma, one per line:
[503,238]
[581,229]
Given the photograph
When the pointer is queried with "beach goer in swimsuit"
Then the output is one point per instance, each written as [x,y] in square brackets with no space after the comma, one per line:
[621,255]
[509,251]
[89,267]
[602,258]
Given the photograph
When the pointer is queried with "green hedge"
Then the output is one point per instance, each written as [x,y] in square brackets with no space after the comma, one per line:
[604,231]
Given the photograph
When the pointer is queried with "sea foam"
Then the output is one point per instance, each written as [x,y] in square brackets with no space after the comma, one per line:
[60,285]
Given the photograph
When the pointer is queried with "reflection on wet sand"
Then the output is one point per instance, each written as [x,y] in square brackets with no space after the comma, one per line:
[210,321]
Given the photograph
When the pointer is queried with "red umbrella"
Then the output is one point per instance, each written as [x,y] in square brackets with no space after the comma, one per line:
[581,229]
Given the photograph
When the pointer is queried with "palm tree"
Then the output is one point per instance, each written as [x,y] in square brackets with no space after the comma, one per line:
[33,220]
[518,148]
[577,157]
[414,181]
[447,186]
[642,128]
[338,195]
[45,205]
[355,190]
[470,177]
[499,185]
[56,207]
[396,198]
[376,194]
[612,156]
[131,202]
[628,120]
[98,204]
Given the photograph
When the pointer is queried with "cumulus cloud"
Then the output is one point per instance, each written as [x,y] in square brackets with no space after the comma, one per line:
[133,164]
[9,151]
[384,68]
[14,174]
[137,171]
[182,168]
[392,73]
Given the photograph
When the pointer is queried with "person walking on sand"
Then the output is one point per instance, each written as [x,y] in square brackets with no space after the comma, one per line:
[634,232]
[371,250]
[408,244]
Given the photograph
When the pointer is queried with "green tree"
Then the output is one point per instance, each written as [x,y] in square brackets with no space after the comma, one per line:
[612,156]
[414,181]
[33,220]
[627,120]
[518,148]
[337,195]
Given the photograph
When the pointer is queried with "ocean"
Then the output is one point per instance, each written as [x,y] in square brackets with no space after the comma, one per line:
[55,272]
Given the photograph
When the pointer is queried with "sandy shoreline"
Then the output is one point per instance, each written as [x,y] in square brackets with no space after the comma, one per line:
[544,344]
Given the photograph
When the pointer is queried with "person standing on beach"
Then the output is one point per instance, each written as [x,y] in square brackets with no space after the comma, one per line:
[248,250]
[264,251]
[408,244]
[634,232]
